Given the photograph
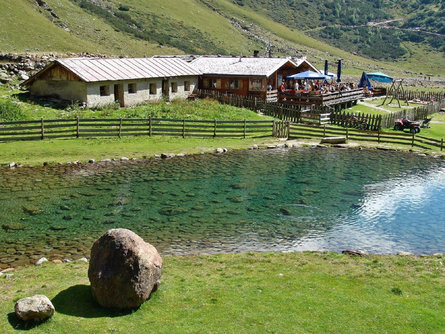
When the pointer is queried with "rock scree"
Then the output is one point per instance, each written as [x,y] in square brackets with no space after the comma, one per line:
[124,270]
[35,308]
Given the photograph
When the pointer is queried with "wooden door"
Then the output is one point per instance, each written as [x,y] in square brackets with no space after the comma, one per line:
[119,94]
[165,89]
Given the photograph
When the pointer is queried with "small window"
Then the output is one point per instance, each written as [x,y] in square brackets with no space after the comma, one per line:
[212,83]
[152,89]
[104,90]
[186,86]
[174,86]
[131,88]
[234,84]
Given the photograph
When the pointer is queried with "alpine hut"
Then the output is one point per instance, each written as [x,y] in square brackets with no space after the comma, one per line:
[127,81]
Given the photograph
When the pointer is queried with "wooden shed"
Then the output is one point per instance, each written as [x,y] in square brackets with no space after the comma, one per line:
[128,81]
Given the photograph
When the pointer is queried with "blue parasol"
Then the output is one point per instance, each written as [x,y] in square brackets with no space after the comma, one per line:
[379,76]
[307,75]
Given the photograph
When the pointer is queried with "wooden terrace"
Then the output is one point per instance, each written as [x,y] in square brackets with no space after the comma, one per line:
[321,99]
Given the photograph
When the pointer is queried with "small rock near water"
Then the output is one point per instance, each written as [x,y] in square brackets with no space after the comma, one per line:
[219,150]
[355,253]
[35,308]
[41,260]
[124,270]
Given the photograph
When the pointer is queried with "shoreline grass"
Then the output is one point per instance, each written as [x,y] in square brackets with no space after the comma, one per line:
[301,292]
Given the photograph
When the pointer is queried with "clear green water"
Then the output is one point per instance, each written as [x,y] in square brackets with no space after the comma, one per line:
[269,200]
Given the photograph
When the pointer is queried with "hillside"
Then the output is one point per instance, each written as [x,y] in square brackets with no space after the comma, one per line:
[367,34]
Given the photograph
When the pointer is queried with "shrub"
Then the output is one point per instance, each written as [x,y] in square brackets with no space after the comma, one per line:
[124,8]
[10,111]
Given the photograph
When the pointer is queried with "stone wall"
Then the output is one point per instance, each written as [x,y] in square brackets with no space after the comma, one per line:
[64,90]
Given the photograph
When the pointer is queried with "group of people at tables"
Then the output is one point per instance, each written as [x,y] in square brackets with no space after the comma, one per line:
[313,87]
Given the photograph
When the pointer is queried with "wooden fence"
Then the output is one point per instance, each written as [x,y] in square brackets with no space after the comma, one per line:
[423,96]
[305,131]
[75,128]
[284,111]
[359,121]
[416,114]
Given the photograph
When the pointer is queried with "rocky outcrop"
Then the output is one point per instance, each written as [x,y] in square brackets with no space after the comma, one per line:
[35,308]
[124,270]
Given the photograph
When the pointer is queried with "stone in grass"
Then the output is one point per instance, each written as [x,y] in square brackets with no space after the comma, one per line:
[41,260]
[36,308]
[355,253]
[124,270]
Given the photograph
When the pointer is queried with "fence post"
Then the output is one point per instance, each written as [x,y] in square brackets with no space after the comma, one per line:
[120,128]
[324,130]
[245,128]
[42,128]
[274,128]
[378,136]
[288,129]
[347,134]
[77,127]
[149,126]
[214,129]
[412,141]
[183,128]
[441,144]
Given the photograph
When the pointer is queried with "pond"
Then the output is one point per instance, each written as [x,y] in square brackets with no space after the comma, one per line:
[260,200]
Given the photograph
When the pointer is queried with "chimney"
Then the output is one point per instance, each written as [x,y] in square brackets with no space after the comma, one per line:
[256,53]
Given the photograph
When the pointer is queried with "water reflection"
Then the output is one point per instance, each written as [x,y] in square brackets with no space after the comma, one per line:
[272,200]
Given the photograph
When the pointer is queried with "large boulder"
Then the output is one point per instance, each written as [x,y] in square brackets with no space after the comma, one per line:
[35,308]
[124,270]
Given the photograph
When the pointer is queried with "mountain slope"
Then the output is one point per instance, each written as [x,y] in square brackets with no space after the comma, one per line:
[288,27]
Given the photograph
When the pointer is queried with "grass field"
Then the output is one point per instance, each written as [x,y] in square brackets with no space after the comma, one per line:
[249,293]
[58,150]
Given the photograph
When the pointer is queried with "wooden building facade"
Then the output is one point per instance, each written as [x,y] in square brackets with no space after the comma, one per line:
[246,76]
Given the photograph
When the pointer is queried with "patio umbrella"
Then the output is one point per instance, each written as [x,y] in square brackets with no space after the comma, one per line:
[326,67]
[379,76]
[364,81]
[339,71]
[307,75]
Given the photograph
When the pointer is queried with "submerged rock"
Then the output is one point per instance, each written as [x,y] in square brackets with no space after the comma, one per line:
[124,270]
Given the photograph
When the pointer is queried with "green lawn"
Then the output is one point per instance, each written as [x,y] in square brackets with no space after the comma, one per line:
[58,150]
[249,293]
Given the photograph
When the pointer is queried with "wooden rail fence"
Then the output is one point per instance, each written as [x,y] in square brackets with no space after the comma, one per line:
[75,128]
[306,131]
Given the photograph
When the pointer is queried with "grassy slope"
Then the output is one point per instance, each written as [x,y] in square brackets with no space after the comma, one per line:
[250,293]
[89,33]
[354,64]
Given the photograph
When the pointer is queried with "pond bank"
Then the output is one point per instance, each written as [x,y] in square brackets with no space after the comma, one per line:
[314,292]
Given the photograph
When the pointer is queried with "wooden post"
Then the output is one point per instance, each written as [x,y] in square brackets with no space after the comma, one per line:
[149,126]
[42,128]
[288,129]
[245,128]
[214,129]
[77,127]
[120,128]
[324,130]
[378,136]
[412,141]
[347,134]
[441,144]
[183,128]
[274,128]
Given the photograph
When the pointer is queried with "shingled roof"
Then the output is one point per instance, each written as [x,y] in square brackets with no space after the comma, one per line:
[103,69]
[242,66]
